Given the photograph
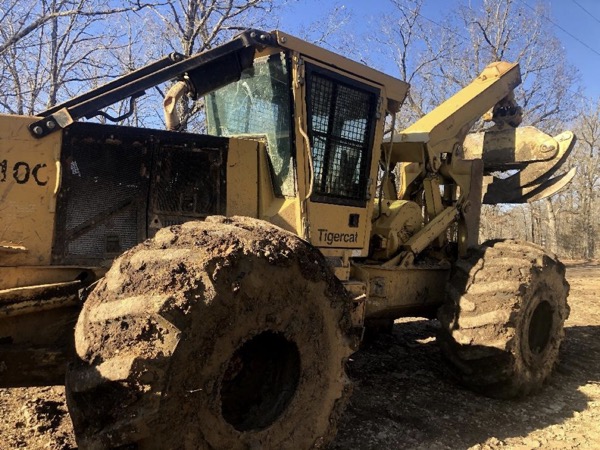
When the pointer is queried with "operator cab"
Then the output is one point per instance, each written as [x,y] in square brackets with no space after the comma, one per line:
[321,116]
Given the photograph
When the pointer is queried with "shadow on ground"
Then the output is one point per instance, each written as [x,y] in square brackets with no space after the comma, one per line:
[405,397]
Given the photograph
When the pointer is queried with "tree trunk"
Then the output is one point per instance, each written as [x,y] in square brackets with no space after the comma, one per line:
[552,232]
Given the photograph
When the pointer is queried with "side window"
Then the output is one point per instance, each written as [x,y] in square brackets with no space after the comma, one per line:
[341,121]
[259,103]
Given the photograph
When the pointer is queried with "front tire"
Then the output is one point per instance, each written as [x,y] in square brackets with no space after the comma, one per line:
[229,333]
[502,325]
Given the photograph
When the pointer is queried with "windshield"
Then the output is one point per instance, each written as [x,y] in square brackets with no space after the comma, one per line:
[259,104]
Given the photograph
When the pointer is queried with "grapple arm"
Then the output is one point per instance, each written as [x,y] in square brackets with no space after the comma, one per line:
[534,156]
[451,173]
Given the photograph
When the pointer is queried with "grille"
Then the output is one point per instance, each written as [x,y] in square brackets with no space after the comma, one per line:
[116,178]
[102,202]
[341,117]
[189,184]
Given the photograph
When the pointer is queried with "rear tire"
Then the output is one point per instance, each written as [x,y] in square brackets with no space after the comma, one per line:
[502,325]
[229,333]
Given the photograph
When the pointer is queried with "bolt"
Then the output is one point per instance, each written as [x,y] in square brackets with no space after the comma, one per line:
[38,130]
[50,124]
[283,39]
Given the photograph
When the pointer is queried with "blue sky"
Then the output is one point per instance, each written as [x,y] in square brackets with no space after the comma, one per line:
[580,19]
[570,15]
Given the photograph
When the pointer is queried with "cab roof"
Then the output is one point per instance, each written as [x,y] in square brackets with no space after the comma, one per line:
[395,89]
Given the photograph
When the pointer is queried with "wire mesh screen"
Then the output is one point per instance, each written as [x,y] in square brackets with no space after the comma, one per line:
[189,184]
[341,134]
[118,179]
[101,205]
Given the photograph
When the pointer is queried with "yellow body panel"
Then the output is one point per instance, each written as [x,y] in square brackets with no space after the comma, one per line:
[242,178]
[285,213]
[29,181]
[398,291]
[330,226]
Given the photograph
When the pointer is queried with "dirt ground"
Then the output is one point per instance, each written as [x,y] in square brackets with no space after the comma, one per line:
[404,396]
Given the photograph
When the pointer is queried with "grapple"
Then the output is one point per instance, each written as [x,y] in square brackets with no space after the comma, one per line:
[520,164]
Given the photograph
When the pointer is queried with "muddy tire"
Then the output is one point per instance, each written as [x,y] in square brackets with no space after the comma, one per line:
[224,334]
[502,325]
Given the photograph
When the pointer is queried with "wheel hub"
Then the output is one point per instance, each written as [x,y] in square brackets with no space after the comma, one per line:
[540,327]
[260,381]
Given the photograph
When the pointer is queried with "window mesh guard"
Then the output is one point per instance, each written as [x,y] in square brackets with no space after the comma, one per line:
[341,118]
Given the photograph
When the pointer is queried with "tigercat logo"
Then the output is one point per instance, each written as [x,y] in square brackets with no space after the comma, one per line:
[331,238]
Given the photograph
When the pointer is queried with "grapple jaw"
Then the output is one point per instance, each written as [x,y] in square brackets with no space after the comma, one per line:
[520,164]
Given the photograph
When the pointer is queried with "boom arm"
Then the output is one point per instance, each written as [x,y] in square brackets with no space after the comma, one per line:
[203,73]
[447,125]
[443,133]
[433,153]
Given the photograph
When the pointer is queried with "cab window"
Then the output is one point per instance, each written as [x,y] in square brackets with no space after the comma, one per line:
[259,104]
[342,116]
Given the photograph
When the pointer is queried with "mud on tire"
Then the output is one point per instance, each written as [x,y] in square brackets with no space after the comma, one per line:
[229,333]
[502,324]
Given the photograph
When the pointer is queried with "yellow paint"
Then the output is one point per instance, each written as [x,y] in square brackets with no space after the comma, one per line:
[242,178]
[29,177]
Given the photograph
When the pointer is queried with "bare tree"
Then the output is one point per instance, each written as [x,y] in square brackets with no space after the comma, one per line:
[54,49]
[330,30]
[193,26]
[419,47]
[25,20]
[439,57]
[47,49]
[586,185]
[511,31]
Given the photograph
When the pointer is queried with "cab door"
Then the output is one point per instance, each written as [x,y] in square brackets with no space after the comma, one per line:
[341,120]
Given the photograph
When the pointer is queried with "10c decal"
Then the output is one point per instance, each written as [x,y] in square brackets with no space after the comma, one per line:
[22,173]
